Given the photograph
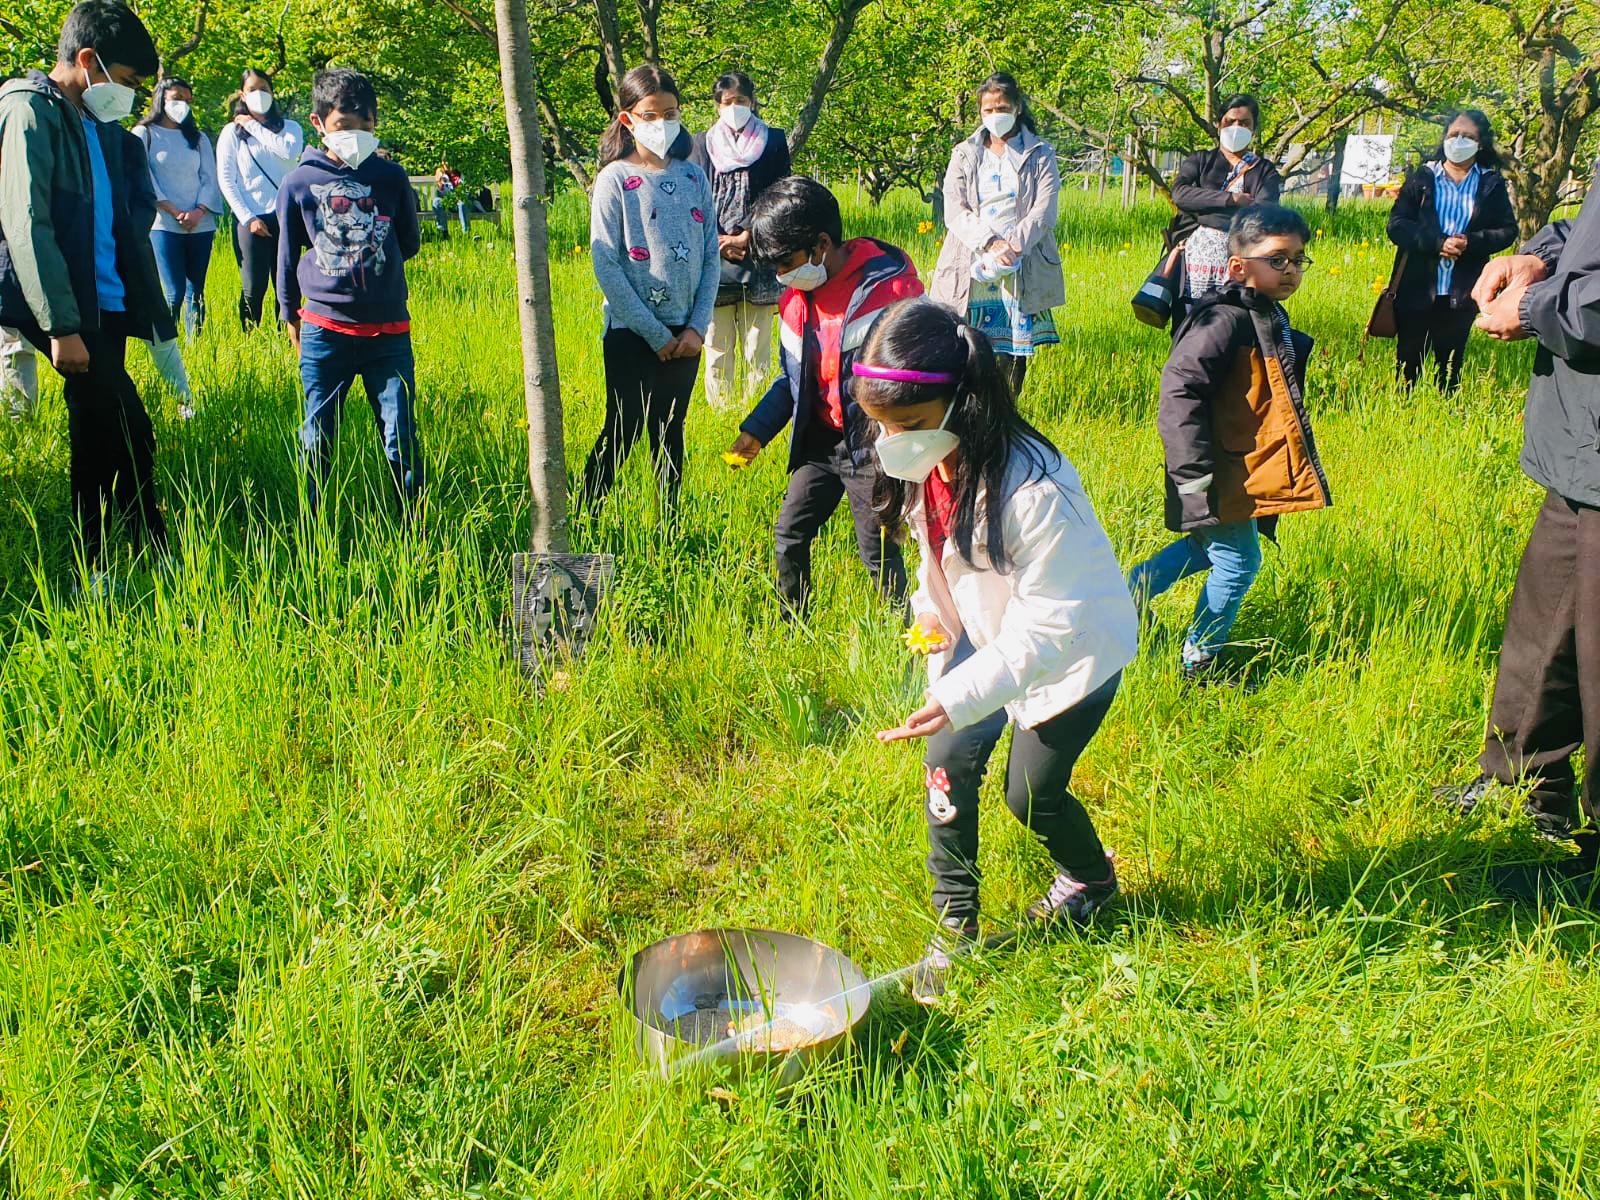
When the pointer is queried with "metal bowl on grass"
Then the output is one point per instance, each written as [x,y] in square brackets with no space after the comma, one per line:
[750,998]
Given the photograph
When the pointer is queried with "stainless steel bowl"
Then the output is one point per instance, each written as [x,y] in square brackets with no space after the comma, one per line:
[683,992]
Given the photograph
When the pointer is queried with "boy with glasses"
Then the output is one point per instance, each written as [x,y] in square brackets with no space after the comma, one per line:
[1233,421]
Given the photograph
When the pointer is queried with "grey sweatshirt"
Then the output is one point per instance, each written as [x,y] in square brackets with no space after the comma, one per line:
[653,238]
[183,176]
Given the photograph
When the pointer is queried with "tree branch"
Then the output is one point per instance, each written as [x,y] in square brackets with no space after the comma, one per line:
[192,43]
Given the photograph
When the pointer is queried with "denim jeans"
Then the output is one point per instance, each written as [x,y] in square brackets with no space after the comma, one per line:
[183,259]
[1233,554]
[329,365]
[443,222]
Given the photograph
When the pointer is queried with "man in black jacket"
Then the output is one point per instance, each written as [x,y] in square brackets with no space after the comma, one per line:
[1547,696]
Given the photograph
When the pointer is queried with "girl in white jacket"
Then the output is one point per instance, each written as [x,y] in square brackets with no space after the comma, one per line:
[1019,596]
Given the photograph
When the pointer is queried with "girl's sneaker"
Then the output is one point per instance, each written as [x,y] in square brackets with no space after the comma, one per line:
[1071,901]
[928,977]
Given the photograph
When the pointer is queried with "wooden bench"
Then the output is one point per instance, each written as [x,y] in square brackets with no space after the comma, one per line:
[426,189]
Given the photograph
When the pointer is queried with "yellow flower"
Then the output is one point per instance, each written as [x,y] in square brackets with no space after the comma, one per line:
[919,641]
[1127,245]
[735,461]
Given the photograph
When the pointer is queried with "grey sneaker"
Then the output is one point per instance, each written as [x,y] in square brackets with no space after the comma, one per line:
[1072,901]
[928,978]
[1464,798]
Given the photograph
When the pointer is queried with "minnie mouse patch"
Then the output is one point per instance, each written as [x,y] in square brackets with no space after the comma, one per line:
[939,807]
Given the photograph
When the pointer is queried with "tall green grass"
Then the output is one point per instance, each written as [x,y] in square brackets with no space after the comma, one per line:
[304,893]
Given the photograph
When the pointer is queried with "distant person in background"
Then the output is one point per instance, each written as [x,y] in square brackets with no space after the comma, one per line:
[1452,215]
[157,327]
[1000,268]
[1546,705]
[448,193]
[1210,187]
[256,150]
[19,374]
[742,156]
[183,168]
[653,243]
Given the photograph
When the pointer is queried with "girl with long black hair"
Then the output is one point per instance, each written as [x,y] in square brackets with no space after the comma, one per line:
[259,146]
[1019,597]
[184,172]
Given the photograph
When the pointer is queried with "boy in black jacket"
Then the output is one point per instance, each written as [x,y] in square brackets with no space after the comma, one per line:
[356,214]
[1235,428]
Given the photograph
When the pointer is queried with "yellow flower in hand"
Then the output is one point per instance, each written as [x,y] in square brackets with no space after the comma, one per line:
[735,461]
[920,641]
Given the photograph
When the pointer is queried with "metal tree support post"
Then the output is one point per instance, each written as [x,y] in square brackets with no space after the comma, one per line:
[554,602]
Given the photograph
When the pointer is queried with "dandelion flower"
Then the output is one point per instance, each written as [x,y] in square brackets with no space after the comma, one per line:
[919,641]
[735,461]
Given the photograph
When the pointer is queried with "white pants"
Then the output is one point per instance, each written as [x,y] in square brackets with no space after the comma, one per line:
[19,372]
[738,331]
[168,360]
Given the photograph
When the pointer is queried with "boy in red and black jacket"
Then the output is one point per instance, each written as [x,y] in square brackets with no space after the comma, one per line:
[836,289]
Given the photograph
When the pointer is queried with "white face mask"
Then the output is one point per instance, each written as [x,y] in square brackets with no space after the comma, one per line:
[258,102]
[177,110]
[353,146]
[106,101]
[655,136]
[736,116]
[913,454]
[1000,123]
[806,277]
[1461,149]
[1236,137]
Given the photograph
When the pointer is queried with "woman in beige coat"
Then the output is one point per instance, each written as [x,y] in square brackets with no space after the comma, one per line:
[1000,268]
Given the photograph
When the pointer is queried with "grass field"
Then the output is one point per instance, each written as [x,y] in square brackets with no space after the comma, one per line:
[304,893]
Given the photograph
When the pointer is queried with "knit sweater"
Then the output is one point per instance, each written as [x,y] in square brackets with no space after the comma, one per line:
[653,238]
[184,175]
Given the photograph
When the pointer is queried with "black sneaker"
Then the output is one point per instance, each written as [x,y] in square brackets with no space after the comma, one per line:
[954,938]
[1570,880]
[1464,798]
[1070,901]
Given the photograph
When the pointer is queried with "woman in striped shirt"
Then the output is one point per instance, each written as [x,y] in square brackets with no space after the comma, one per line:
[1451,217]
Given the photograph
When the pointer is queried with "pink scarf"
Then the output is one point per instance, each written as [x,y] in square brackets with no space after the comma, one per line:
[732,151]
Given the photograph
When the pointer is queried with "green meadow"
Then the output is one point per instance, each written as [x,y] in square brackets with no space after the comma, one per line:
[304,892]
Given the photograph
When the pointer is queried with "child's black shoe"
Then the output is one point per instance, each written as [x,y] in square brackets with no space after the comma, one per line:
[1070,901]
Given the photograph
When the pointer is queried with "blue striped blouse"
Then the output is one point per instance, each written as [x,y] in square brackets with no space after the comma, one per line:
[1455,202]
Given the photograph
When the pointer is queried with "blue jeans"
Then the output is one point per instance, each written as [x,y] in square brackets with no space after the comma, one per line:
[183,259]
[1233,554]
[329,364]
[443,221]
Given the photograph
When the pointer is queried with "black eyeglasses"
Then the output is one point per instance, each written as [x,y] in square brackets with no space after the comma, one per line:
[1280,262]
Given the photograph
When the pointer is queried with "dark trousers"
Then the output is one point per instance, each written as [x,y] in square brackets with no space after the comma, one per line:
[1015,368]
[1440,330]
[1547,694]
[258,259]
[815,488]
[643,396]
[1038,792]
[330,363]
[112,444]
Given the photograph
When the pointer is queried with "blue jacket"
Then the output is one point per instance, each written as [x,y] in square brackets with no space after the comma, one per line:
[793,395]
[359,227]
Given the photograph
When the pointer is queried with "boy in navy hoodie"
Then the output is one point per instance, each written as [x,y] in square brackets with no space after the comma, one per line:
[344,302]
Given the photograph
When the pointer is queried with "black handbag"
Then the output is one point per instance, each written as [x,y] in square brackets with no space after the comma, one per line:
[1153,302]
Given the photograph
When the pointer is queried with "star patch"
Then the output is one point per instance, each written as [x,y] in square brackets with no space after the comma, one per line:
[680,252]
[669,186]
[659,295]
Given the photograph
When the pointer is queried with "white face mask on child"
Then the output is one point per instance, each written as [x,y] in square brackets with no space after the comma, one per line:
[353,146]
[655,136]
[807,277]
[912,454]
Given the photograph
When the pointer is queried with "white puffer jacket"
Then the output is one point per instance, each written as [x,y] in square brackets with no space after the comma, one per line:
[1048,632]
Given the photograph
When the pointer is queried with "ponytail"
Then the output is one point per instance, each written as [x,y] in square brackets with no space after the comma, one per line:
[921,335]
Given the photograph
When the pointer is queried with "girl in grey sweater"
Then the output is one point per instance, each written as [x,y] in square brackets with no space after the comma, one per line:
[184,172]
[653,239]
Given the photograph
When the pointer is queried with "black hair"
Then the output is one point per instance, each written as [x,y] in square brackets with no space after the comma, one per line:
[273,117]
[191,131]
[637,84]
[1488,155]
[790,216]
[922,335]
[112,31]
[1255,224]
[736,82]
[1006,85]
[1241,100]
[343,90]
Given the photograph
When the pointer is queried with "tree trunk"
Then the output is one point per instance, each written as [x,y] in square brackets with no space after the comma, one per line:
[1337,169]
[541,383]
[844,23]
[610,30]
[649,14]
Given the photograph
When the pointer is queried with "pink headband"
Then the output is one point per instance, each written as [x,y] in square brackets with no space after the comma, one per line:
[897,375]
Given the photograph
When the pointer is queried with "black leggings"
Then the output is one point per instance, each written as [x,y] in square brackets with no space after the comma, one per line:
[1038,792]
[1440,331]
[1015,368]
[258,259]
[643,395]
